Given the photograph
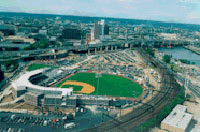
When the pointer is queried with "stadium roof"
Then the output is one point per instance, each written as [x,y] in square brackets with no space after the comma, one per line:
[53,96]
[23,82]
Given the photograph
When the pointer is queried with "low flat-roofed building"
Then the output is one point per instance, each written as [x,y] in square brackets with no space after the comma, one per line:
[180,108]
[19,39]
[178,120]
[14,45]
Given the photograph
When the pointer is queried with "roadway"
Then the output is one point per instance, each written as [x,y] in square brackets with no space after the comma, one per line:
[84,47]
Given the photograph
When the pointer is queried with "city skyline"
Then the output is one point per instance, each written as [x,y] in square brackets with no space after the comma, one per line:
[180,11]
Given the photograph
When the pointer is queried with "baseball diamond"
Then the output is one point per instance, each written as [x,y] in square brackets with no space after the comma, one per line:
[113,85]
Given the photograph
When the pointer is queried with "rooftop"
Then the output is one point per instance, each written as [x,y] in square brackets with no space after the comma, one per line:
[53,96]
[178,118]
[23,81]
[180,108]
[19,38]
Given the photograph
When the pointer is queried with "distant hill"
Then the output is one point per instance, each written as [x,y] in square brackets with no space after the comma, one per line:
[87,19]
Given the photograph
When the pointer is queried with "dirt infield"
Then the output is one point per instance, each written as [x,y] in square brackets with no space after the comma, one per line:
[87,88]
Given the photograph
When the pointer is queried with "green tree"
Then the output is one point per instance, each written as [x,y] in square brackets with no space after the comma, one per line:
[9,63]
[43,43]
[166,58]
[150,52]
[1,75]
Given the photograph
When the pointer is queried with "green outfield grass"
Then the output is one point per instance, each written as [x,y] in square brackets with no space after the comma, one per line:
[33,67]
[116,86]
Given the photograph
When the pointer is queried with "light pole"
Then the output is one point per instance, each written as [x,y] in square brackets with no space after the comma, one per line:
[98,75]
[186,83]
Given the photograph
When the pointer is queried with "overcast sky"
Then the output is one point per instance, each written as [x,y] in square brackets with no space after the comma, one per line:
[184,11]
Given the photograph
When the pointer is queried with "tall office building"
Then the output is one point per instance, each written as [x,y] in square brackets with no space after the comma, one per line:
[102,25]
[106,29]
[72,33]
[100,29]
[97,29]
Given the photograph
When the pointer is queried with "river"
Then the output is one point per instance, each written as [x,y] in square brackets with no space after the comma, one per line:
[182,53]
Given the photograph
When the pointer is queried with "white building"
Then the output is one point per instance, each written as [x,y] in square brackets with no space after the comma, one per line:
[168,36]
[178,120]
[23,84]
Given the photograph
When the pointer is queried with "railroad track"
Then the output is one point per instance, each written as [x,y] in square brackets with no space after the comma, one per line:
[131,121]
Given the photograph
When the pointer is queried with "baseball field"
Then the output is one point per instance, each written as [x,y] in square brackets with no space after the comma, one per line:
[112,85]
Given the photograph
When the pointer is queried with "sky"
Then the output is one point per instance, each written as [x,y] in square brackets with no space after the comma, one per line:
[182,11]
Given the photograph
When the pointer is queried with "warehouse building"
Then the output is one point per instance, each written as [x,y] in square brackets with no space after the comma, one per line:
[178,120]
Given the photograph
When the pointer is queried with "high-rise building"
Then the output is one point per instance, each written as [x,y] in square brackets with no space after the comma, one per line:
[97,29]
[73,33]
[102,25]
[100,29]
[106,29]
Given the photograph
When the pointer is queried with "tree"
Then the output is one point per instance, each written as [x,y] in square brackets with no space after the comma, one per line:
[150,52]
[166,58]
[1,75]
[43,43]
[9,63]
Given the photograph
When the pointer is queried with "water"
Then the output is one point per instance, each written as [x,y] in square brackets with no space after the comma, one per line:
[182,53]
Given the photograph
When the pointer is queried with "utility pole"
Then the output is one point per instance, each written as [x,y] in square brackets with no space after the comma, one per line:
[186,83]
[98,75]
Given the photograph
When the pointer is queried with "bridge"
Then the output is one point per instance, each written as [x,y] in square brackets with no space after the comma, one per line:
[103,47]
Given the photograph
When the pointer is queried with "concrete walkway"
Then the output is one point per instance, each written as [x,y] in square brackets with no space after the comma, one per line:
[12,102]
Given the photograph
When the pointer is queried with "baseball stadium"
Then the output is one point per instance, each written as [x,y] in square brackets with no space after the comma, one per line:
[81,83]
[72,88]
[101,84]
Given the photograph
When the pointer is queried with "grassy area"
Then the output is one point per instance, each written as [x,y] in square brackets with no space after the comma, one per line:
[33,67]
[167,58]
[108,85]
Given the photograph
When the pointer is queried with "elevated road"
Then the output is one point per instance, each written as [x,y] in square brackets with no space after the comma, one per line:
[84,47]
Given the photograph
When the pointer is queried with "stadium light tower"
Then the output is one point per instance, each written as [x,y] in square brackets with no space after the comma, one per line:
[98,75]
[186,83]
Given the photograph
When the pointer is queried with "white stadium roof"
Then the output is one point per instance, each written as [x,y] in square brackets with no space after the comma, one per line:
[23,82]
